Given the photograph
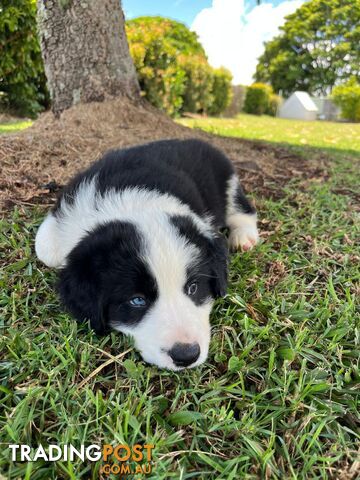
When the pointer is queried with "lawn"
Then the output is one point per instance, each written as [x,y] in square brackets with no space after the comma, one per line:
[344,137]
[12,127]
[279,395]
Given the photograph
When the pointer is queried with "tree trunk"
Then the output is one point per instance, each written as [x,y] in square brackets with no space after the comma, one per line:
[85,51]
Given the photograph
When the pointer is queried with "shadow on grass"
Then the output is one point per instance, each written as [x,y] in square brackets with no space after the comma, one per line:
[308,150]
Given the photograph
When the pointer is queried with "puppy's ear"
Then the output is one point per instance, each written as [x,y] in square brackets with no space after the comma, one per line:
[219,265]
[79,292]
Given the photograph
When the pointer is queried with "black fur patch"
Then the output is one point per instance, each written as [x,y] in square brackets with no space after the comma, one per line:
[102,273]
[210,272]
[242,202]
[191,170]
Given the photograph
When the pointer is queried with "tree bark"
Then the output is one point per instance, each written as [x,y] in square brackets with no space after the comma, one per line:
[85,51]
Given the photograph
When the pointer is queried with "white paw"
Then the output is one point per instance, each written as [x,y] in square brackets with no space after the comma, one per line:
[243,238]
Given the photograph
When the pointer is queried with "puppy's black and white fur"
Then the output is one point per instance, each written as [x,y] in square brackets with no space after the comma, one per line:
[136,238]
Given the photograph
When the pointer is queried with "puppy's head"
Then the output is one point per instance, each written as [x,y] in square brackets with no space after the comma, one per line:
[155,281]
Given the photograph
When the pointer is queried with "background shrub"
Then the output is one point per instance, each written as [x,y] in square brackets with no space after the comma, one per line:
[257,99]
[173,70]
[222,92]
[22,79]
[347,97]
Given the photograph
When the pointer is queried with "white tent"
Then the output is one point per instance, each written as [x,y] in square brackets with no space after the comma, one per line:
[299,106]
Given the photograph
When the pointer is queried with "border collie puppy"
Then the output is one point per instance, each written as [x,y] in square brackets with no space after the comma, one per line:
[137,240]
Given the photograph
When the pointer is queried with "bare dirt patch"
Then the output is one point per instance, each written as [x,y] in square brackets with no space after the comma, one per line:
[36,162]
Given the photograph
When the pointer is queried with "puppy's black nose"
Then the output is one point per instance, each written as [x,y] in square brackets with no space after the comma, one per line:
[184,354]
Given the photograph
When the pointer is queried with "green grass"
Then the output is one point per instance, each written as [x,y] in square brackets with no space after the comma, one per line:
[279,395]
[12,127]
[325,135]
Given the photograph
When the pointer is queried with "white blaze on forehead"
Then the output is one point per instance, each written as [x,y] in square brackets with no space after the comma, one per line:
[168,254]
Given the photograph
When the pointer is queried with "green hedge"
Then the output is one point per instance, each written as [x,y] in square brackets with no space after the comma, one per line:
[260,99]
[173,70]
[22,79]
[347,97]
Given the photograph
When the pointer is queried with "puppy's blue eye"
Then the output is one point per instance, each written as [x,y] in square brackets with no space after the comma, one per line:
[192,288]
[137,302]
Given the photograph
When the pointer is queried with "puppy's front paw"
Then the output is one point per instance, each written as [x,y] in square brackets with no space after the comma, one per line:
[243,238]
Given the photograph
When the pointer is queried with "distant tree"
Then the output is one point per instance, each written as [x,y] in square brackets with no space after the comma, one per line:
[22,78]
[157,46]
[85,51]
[318,48]
[173,70]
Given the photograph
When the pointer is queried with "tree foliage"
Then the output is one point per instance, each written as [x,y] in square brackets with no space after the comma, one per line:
[22,78]
[318,48]
[347,97]
[172,67]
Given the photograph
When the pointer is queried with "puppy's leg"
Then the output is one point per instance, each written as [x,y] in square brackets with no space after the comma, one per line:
[240,217]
